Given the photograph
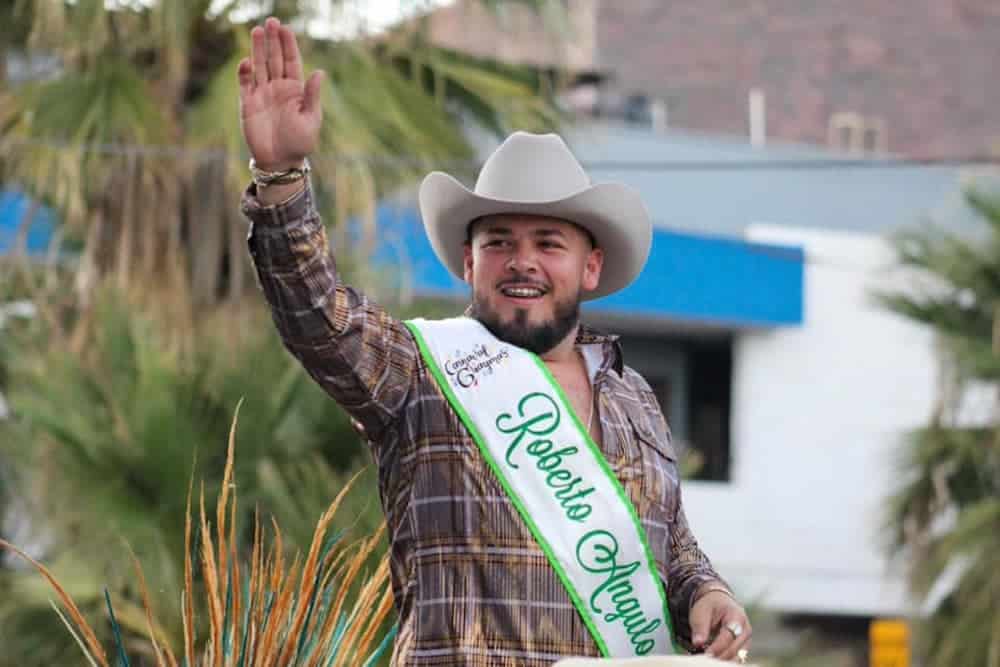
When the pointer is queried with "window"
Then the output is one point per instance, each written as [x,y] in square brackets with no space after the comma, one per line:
[709,405]
[852,132]
[871,143]
[692,379]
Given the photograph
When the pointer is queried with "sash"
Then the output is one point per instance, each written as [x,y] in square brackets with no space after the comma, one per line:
[557,478]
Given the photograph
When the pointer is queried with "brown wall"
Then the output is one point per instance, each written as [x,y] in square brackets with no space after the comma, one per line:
[930,69]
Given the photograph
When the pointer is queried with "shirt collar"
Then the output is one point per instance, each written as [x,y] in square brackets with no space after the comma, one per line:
[614,357]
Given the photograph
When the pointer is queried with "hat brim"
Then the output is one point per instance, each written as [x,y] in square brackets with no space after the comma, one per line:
[612,212]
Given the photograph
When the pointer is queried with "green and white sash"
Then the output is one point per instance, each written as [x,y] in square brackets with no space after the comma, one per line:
[557,478]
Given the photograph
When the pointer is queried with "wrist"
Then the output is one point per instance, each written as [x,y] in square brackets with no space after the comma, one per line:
[265,177]
[276,195]
[284,165]
[711,587]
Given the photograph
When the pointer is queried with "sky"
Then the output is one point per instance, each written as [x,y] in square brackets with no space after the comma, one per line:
[354,16]
[380,14]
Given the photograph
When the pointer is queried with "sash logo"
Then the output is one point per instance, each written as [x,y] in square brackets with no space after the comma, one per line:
[465,368]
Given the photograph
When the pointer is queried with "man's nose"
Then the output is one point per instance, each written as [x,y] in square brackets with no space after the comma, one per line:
[522,259]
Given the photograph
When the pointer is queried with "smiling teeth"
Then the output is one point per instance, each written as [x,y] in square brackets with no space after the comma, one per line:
[522,291]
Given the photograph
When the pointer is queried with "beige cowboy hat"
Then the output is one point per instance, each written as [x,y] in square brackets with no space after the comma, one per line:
[537,174]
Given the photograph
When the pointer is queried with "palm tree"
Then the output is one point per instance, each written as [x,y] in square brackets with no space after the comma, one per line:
[944,517]
[136,141]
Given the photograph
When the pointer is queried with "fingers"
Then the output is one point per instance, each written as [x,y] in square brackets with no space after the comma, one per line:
[275,56]
[310,102]
[699,627]
[726,644]
[245,73]
[258,56]
[742,642]
[722,643]
[290,52]
[702,618]
[274,53]
[722,638]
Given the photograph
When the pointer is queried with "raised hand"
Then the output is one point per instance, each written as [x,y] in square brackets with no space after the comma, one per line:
[279,113]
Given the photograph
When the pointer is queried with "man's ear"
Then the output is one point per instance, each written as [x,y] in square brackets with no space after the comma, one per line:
[467,261]
[592,269]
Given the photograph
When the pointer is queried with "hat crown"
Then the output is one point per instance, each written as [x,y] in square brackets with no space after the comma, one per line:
[532,168]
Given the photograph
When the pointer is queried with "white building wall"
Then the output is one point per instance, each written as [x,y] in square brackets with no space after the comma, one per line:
[818,412]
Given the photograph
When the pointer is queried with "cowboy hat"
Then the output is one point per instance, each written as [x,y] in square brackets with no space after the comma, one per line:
[537,174]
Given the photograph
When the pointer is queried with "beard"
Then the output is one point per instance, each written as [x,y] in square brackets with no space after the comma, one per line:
[537,338]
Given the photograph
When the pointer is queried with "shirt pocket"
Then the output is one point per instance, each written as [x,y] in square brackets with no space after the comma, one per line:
[652,470]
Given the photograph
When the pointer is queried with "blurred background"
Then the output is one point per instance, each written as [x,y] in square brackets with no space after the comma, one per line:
[819,317]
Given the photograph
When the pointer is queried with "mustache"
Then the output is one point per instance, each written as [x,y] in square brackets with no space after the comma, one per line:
[523,281]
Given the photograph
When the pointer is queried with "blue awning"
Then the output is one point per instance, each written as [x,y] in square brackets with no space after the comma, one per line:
[689,278]
[14,205]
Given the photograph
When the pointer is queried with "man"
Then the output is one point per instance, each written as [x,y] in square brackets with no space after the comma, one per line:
[527,475]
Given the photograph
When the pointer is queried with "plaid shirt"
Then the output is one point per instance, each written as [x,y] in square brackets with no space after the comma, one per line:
[471,585]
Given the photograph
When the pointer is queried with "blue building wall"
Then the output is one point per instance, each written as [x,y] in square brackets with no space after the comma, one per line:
[13,207]
[715,280]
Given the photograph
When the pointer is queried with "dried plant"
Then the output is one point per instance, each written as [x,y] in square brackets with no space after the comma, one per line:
[324,610]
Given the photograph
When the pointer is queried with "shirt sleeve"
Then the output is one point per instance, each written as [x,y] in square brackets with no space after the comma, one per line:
[689,570]
[359,354]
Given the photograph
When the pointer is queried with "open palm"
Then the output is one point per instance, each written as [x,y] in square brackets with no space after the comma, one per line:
[280,114]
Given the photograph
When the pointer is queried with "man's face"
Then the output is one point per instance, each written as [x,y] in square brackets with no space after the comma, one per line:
[528,274]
